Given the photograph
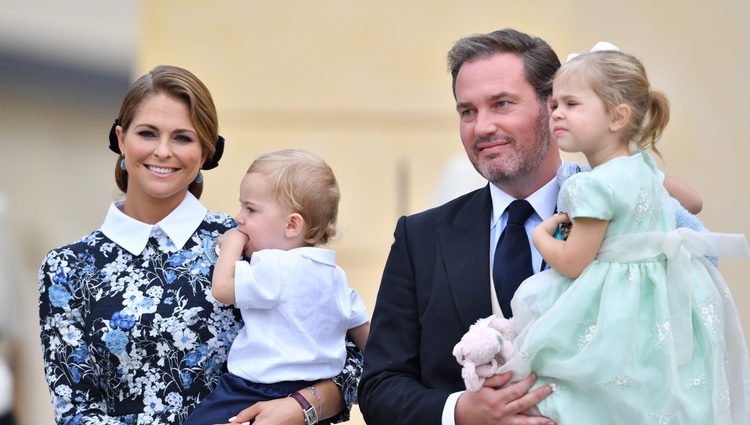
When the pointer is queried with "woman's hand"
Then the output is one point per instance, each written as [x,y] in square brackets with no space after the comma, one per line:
[287,411]
[281,411]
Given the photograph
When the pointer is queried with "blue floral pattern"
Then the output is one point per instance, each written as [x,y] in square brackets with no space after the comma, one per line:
[140,339]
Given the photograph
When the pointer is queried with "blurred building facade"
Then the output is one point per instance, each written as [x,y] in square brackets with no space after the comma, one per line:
[63,71]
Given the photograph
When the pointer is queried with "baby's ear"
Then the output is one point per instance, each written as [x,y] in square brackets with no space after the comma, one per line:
[295,225]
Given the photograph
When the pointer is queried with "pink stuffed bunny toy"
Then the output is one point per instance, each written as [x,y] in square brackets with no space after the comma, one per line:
[483,349]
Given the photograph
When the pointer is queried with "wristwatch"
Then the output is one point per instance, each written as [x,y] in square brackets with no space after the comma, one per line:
[311,416]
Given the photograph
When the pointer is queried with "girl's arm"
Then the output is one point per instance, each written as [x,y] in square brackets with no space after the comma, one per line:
[231,245]
[686,195]
[571,256]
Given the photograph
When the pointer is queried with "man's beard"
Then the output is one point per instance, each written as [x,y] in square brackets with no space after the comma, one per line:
[518,164]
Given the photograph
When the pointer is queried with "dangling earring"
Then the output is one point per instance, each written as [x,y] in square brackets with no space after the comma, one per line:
[122,165]
[199,178]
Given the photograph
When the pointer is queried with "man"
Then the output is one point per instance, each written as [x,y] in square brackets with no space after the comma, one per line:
[437,279]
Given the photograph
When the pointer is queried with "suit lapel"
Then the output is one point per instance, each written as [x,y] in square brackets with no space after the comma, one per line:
[464,244]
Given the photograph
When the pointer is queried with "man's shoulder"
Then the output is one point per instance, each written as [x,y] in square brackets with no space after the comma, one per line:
[448,211]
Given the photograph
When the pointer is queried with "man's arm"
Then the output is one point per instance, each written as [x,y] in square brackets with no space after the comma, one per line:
[391,391]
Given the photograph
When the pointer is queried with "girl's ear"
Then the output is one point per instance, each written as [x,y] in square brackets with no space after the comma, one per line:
[295,225]
[620,117]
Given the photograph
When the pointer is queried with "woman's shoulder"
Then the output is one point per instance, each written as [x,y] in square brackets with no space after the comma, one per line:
[218,221]
[88,241]
[69,257]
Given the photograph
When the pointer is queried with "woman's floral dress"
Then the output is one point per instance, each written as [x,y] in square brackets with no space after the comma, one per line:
[139,339]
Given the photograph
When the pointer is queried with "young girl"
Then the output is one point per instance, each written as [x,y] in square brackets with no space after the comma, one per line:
[633,325]
[294,300]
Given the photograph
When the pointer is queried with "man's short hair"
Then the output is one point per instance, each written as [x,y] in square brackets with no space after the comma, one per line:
[540,61]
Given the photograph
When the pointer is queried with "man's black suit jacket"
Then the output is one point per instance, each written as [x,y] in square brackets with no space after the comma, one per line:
[434,286]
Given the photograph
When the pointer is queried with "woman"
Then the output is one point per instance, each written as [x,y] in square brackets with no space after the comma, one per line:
[130,330]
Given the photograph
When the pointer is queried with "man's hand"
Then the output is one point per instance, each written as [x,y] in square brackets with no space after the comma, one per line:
[494,405]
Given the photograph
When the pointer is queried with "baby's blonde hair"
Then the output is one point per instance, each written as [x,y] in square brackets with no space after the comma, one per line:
[303,183]
[618,78]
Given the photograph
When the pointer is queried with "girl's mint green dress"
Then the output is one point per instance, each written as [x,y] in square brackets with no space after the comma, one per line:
[648,333]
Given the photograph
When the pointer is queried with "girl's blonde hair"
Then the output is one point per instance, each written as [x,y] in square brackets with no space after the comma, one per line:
[619,78]
[304,184]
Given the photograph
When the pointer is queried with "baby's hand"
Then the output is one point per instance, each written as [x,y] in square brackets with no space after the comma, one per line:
[232,239]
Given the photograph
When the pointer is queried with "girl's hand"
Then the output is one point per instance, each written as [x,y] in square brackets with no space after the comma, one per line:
[281,411]
[549,226]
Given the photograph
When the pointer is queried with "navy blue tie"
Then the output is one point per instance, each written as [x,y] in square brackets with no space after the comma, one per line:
[512,263]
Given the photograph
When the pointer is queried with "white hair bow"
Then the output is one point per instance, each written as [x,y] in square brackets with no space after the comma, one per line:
[598,47]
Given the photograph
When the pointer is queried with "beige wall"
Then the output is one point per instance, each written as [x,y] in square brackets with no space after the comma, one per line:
[365,85]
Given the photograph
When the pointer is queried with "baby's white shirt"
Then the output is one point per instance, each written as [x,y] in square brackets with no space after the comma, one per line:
[297,307]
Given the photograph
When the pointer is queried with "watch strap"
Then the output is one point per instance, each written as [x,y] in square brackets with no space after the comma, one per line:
[311,415]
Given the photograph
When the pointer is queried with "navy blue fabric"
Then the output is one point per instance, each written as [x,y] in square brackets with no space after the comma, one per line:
[234,394]
[7,419]
[512,263]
